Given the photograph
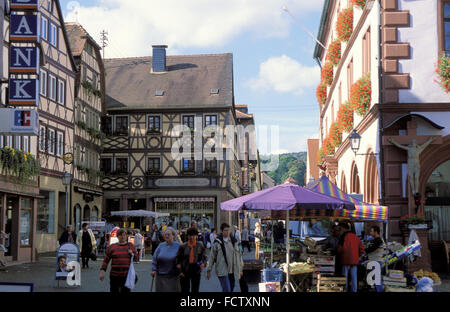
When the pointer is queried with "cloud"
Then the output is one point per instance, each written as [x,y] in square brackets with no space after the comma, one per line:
[284,75]
[133,26]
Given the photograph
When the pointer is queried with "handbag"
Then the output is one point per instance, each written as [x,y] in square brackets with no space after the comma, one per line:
[93,256]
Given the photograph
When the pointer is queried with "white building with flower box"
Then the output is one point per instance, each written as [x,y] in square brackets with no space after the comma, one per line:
[385,74]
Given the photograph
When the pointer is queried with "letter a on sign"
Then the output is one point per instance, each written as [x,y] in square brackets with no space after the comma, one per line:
[25,5]
[24,28]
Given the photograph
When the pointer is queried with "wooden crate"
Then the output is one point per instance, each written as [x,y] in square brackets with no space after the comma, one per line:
[330,283]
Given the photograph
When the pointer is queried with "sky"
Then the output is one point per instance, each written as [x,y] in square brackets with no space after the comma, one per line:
[274,70]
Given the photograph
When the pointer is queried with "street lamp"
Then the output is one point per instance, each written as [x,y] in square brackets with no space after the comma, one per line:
[66,179]
[355,142]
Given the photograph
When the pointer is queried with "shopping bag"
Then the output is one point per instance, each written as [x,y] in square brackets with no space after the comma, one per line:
[131,277]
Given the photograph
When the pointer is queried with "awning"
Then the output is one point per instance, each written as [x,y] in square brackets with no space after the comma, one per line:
[363,211]
[183,199]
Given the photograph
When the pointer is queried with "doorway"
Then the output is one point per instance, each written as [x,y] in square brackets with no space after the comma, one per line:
[12,204]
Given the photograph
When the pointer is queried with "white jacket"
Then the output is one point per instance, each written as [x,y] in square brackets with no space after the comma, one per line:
[80,239]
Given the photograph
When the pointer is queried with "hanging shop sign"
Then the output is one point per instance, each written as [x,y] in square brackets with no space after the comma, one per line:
[24,60]
[24,4]
[15,121]
[23,92]
[24,28]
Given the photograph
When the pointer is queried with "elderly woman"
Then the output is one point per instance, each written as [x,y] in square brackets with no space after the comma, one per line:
[191,259]
[164,263]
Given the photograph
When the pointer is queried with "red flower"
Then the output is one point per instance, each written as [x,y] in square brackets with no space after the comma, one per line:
[321,93]
[327,73]
[345,117]
[443,71]
[359,3]
[335,134]
[361,95]
[334,52]
[344,24]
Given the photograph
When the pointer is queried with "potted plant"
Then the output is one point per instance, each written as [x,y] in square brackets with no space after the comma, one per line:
[327,73]
[334,52]
[335,135]
[344,24]
[443,71]
[345,117]
[359,3]
[361,95]
[321,93]
[414,221]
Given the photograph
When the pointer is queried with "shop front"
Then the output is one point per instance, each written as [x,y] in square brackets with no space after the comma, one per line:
[18,206]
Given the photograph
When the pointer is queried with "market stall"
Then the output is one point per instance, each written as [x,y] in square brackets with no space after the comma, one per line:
[283,198]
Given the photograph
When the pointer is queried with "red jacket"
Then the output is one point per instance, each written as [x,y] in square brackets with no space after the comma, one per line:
[351,250]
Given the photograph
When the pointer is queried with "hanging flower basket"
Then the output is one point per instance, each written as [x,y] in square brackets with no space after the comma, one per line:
[443,71]
[18,165]
[320,155]
[361,95]
[328,146]
[327,73]
[359,3]
[335,134]
[345,117]
[334,52]
[344,24]
[321,93]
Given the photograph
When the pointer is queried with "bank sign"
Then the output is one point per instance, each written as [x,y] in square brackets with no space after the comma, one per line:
[15,121]
[24,60]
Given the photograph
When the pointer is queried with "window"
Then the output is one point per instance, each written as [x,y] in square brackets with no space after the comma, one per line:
[121,165]
[50,6]
[61,91]
[52,88]
[60,144]
[349,77]
[188,165]
[9,140]
[51,141]
[188,121]
[43,82]
[46,213]
[154,124]
[107,125]
[42,138]
[53,35]
[210,120]
[211,165]
[1,141]
[26,144]
[444,27]
[366,52]
[122,125]
[154,165]
[44,28]
[106,165]
[83,156]
[25,221]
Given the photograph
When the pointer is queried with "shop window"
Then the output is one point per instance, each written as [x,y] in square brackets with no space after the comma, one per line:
[46,213]
[94,215]
[25,221]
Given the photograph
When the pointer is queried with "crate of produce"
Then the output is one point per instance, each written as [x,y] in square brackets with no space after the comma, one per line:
[271,275]
[324,268]
[324,260]
[330,283]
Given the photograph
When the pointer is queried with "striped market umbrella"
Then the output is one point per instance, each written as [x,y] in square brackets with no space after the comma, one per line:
[363,211]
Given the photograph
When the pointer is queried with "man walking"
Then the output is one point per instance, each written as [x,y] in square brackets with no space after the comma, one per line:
[68,236]
[226,255]
[156,238]
[350,249]
[237,235]
[120,254]
[87,243]
[245,239]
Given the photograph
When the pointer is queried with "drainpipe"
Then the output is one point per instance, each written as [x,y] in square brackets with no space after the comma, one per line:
[380,115]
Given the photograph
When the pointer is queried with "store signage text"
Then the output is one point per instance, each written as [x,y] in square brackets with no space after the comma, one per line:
[24,60]
[24,28]
[19,122]
[23,92]
[24,4]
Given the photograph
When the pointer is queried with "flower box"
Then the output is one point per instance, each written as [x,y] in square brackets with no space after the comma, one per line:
[418,226]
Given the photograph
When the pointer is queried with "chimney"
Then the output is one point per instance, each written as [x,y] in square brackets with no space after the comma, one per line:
[159,58]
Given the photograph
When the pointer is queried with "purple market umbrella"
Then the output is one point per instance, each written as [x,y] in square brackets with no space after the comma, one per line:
[286,197]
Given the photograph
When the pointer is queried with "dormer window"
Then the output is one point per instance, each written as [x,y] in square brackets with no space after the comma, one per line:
[214,91]
[159,92]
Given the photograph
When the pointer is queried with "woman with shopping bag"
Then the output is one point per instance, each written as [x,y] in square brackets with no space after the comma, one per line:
[122,255]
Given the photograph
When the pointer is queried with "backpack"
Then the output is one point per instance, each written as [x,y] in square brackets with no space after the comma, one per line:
[219,239]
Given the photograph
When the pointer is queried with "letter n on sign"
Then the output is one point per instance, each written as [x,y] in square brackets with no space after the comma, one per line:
[25,5]
[23,92]
[24,60]
[24,28]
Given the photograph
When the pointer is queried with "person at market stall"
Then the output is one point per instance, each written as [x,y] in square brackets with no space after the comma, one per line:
[164,264]
[191,260]
[350,250]
[375,249]
[227,257]
[316,228]
[332,241]
[258,237]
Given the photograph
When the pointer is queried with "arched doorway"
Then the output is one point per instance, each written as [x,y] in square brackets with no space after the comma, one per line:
[86,213]
[355,186]
[371,181]
[77,209]
[94,215]
[343,182]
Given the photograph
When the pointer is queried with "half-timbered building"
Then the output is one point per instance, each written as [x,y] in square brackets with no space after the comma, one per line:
[56,122]
[147,99]
[89,106]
